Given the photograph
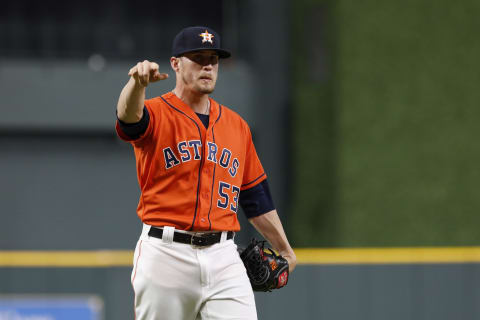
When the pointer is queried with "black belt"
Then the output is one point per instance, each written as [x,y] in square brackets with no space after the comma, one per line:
[202,240]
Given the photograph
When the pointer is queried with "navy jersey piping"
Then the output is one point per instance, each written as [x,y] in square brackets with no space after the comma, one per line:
[214,167]
[201,160]
[246,184]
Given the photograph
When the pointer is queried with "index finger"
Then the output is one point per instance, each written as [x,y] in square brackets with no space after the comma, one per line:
[159,76]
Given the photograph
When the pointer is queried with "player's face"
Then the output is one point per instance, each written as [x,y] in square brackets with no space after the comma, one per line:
[199,70]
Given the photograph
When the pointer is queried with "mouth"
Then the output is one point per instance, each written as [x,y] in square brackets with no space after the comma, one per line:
[205,78]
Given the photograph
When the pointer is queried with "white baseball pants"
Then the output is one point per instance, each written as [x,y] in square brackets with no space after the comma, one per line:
[173,280]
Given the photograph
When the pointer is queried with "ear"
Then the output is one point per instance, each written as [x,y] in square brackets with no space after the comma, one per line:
[174,62]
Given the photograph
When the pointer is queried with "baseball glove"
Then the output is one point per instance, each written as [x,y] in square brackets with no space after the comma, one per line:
[265,268]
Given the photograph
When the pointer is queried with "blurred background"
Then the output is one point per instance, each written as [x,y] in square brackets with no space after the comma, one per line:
[364,114]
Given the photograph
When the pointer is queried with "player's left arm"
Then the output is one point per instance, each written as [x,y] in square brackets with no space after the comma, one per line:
[270,227]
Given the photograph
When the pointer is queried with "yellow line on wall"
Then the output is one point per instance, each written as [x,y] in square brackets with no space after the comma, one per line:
[389,255]
[124,258]
[76,259]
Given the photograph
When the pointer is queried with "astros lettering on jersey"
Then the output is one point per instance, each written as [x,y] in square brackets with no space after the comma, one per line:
[178,152]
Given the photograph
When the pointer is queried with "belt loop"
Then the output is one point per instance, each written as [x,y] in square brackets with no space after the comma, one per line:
[223,237]
[145,230]
[167,236]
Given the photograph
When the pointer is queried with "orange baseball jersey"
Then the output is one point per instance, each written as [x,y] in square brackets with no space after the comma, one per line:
[190,177]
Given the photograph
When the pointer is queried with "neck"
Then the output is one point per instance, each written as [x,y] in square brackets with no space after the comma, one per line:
[197,101]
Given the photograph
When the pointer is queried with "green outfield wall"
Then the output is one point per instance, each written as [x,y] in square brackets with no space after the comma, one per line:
[385,139]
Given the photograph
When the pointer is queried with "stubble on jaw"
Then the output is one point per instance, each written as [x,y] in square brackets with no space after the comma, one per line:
[206,90]
[199,88]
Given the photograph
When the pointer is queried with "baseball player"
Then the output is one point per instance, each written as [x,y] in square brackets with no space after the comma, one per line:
[196,164]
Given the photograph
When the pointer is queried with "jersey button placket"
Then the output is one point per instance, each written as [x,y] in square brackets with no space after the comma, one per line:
[206,191]
[207,173]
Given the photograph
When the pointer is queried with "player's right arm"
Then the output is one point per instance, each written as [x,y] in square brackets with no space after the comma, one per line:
[131,101]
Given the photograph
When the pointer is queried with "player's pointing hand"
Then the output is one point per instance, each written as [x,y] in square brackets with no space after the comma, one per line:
[145,72]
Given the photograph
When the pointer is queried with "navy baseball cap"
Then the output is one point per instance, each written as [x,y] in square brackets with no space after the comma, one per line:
[198,38]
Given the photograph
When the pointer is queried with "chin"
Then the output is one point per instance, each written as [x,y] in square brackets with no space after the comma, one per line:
[206,90]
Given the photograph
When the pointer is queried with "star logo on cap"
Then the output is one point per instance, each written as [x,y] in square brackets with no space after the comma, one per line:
[206,37]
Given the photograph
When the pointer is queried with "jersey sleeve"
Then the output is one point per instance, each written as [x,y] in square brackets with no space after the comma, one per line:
[257,200]
[140,139]
[253,173]
[135,130]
